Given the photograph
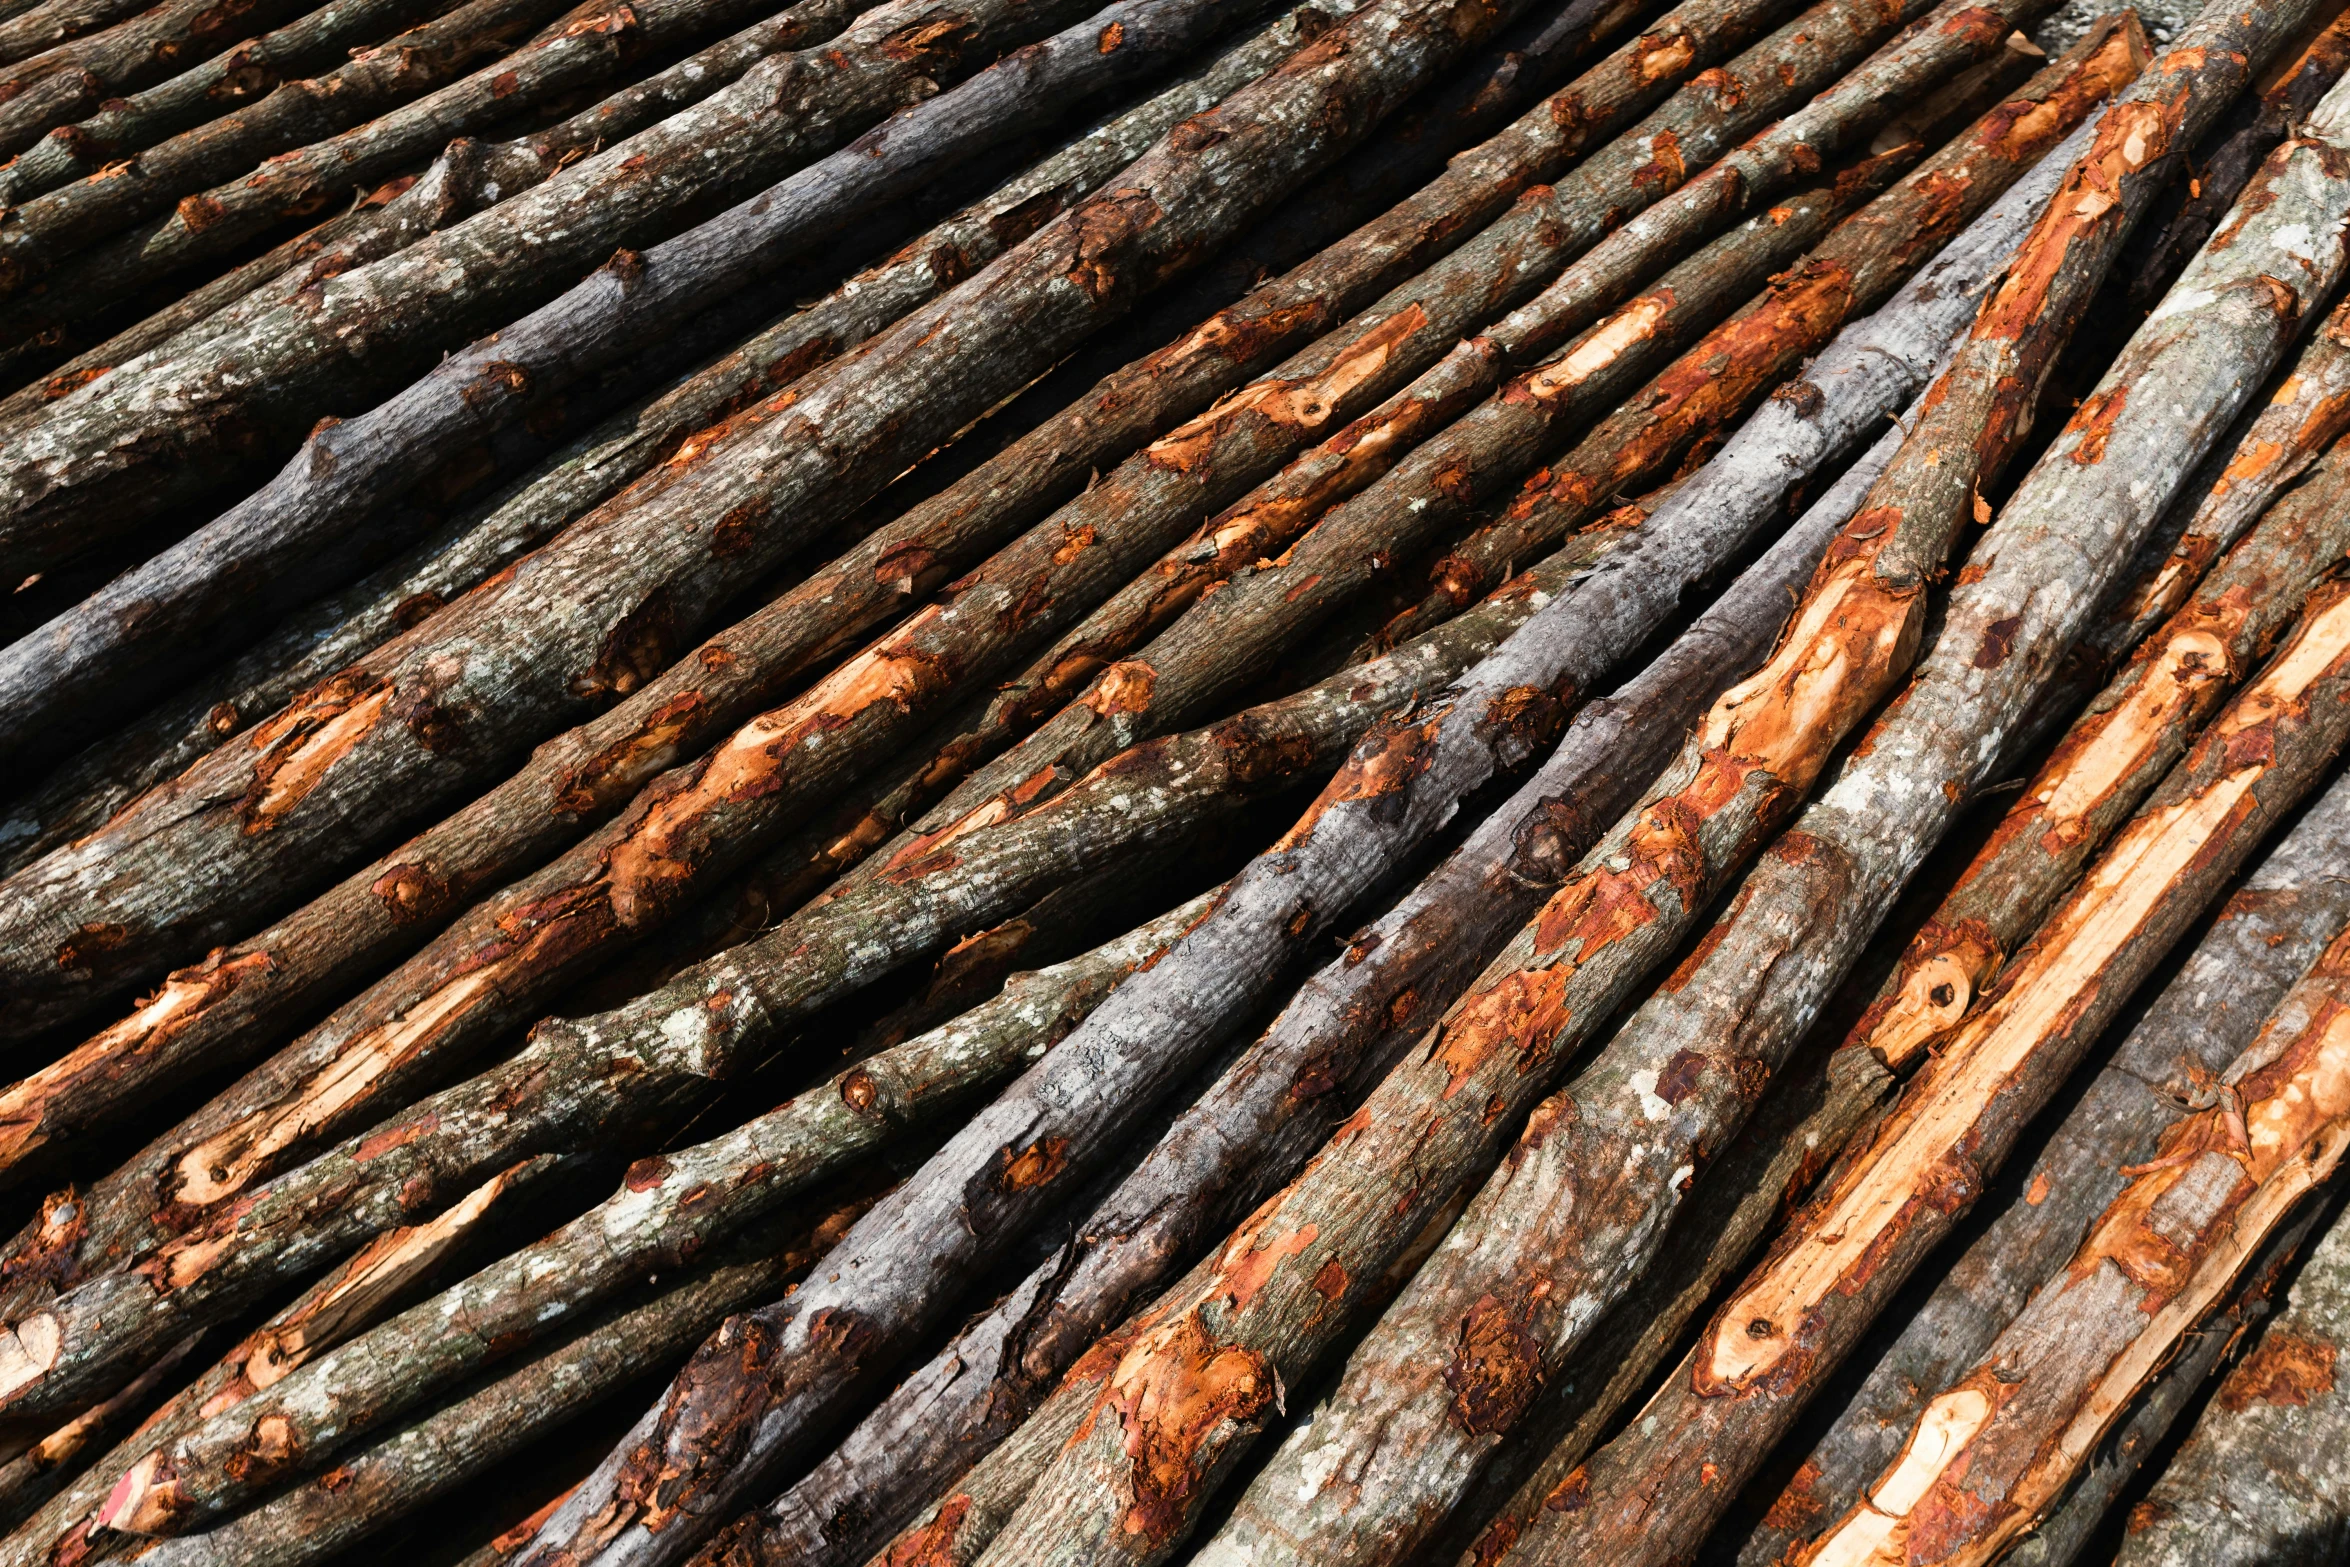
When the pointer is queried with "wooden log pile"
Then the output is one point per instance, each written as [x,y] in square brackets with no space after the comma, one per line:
[1032,783]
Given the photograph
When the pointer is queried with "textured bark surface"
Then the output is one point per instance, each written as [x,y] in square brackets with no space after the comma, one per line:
[282,1229]
[670,1207]
[283,543]
[148,44]
[1656,1492]
[324,637]
[1186,668]
[1994,1449]
[1581,1206]
[2262,1479]
[2288,909]
[252,68]
[442,705]
[2114,752]
[37,233]
[380,1278]
[1342,1029]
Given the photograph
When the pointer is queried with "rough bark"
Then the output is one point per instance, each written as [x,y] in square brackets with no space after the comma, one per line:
[2233,153]
[35,29]
[143,47]
[2261,1477]
[512,954]
[1797,1316]
[2288,909]
[323,638]
[227,80]
[421,718]
[1995,1448]
[33,1475]
[1343,1028]
[1583,1204]
[287,540]
[2119,748]
[902,1265]
[35,235]
[321,1518]
[669,1208]
[1188,667]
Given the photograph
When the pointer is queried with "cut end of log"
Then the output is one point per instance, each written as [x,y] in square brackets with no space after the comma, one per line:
[27,1351]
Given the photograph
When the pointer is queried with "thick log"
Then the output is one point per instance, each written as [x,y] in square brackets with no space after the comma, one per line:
[1795,1318]
[1599,1173]
[1283,1094]
[322,638]
[595,632]
[1994,1449]
[2261,1478]
[670,1207]
[33,1475]
[2287,911]
[227,80]
[43,26]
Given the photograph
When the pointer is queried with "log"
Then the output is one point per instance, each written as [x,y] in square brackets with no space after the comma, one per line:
[2124,743]
[1451,1367]
[1278,1101]
[905,1264]
[28,1479]
[283,543]
[1995,1448]
[36,235]
[670,1206]
[1759,1362]
[144,46]
[2261,1478]
[43,26]
[2266,935]
[324,637]
[391,1478]
[229,79]
[1186,669]
[596,633]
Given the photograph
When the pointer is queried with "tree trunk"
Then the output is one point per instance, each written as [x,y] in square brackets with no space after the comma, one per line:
[143,47]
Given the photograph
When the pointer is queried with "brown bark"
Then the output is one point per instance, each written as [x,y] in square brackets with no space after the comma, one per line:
[148,44]
[1582,1206]
[1186,669]
[2261,1477]
[800,461]
[1794,1320]
[231,78]
[1995,1448]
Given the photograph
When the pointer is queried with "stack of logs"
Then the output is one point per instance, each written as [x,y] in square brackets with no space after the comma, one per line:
[1029,783]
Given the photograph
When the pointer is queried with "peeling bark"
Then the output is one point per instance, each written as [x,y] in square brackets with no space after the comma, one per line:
[2261,1479]
[899,1271]
[1342,1030]
[669,1208]
[324,637]
[2288,909]
[1582,1204]
[1994,1449]
[377,1484]
[1187,668]
[1798,1315]
[441,706]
